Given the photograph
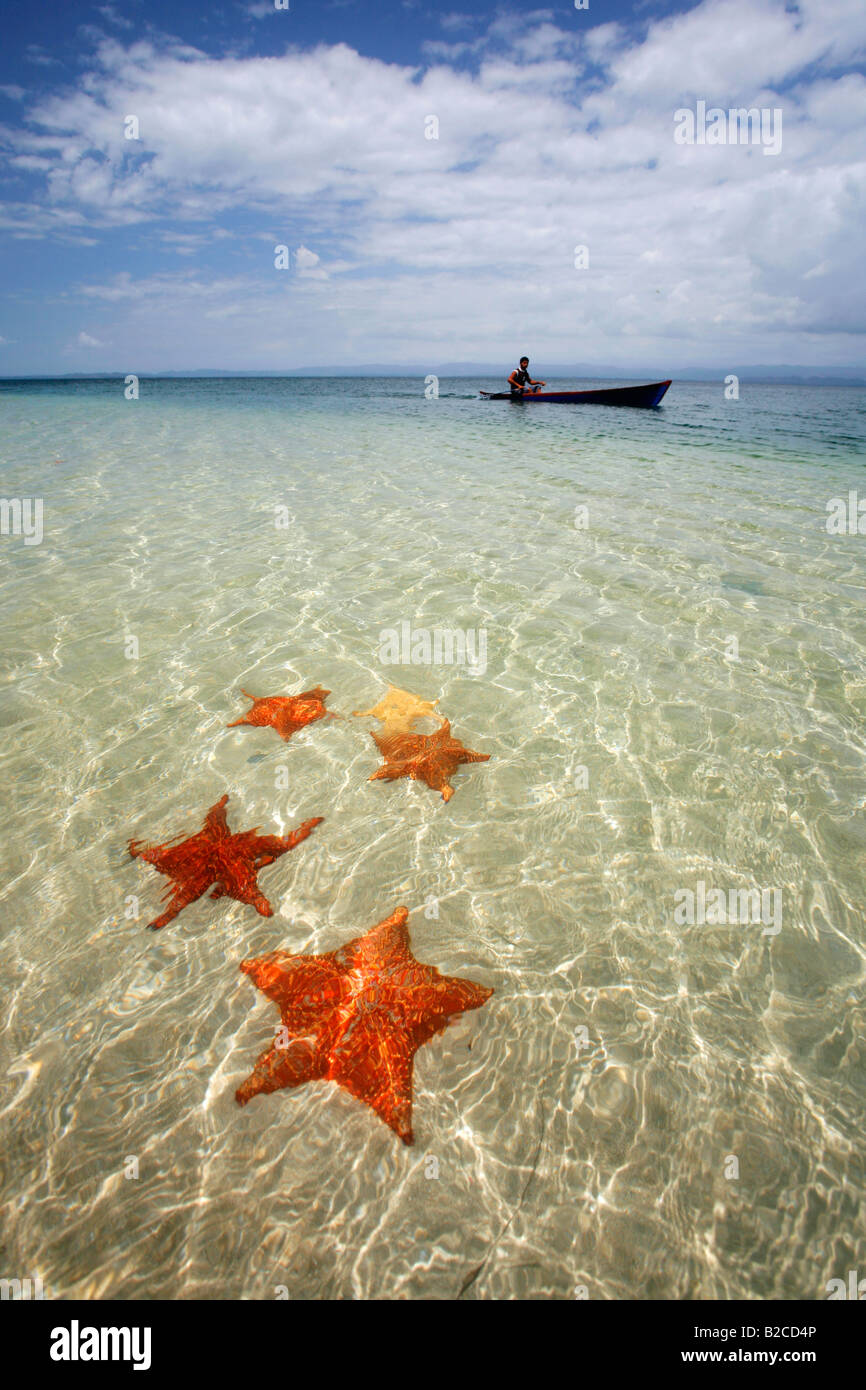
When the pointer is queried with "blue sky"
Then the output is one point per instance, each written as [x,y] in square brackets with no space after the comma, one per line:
[433,172]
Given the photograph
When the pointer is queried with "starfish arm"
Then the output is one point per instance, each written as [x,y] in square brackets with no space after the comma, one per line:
[307,989]
[400,747]
[254,715]
[296,836]
[267,848]
[238,881]
[467,756]
[247,696]
[373,1061]
[179,896]
[383,948]
[434,1003]
[151,854]
[378,711]
[173,859]
[429,1004]
[294,712]
[270,973]
[388,772]
[282,1067]
[416,993]
[285,729]
[435,772]
[189,867]
[215,820]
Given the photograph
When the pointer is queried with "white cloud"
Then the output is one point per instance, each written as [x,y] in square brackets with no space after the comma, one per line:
[85,340]
[192,243]
[562,137]
[306,264]
[110,14]
[450,52]
[35,53]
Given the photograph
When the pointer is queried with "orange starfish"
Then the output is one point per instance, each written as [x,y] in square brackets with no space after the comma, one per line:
[356,1016]
[217,856]
[430,758]
[286,713]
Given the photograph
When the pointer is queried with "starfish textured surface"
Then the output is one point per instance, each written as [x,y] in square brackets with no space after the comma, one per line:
[356,1016]
[398,709]
[430,758]
[215,857]
[285,713]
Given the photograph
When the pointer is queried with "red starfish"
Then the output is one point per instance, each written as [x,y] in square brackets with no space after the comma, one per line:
[356,1016]
[430,758]
[217,856]
[286,713]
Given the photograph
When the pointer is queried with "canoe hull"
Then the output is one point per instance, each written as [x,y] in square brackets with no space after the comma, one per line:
[645,397]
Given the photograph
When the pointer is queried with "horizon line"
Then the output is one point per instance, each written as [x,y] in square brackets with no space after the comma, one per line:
[857,374]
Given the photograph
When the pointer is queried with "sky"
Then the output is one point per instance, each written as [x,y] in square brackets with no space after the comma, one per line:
[448,184]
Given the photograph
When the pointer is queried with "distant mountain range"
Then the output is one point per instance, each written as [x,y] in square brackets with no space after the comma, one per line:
[595,371]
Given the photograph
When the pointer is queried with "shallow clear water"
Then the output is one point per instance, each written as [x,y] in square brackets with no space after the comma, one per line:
[565,1158]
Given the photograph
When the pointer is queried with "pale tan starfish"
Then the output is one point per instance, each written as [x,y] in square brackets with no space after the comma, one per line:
[398,710]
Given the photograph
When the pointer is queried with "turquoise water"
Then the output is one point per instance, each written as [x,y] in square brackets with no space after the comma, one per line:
[673,694]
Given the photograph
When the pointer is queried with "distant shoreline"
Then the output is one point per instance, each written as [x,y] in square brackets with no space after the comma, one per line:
[695,377]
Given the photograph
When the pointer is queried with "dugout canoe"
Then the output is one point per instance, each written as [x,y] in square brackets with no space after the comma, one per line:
[643,396]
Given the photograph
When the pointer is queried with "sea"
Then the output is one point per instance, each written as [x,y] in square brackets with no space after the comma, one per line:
[653,622]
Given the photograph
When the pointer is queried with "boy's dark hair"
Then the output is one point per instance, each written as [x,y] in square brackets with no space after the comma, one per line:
[524,359]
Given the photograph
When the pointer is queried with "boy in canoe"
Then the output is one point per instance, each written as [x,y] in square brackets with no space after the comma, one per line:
[520,379]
